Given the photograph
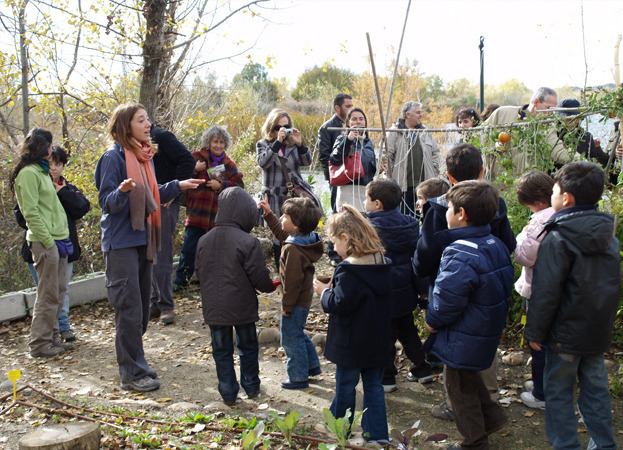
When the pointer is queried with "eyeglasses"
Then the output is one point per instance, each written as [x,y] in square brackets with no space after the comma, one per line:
[279,127]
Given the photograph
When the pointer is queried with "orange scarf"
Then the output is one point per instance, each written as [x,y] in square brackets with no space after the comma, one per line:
[145,197]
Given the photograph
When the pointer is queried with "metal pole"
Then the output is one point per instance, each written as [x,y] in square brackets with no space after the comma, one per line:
[481,46]
[391,90]
[378,96]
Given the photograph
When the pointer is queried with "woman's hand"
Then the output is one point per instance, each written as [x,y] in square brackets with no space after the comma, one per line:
[352,135]
[281,134]
[200,166]
[191,183]
[215,185]
[297,138]
[263,204]
[57,187]
[127,185]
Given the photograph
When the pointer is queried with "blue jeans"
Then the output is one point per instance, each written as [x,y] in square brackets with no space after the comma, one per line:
[374,421]
[299,348]
[186,267]
[538,365]
[223,353]
[561,371]
[63,318]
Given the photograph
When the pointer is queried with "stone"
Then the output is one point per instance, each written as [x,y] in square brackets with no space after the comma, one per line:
[513,358]
[82,435]
[320,340]
[269,336]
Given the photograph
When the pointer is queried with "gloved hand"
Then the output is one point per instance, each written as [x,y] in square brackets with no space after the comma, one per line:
[65,248]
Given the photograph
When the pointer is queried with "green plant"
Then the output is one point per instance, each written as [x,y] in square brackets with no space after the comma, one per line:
[286,425]
[146,439]
[251,438]
[341,427]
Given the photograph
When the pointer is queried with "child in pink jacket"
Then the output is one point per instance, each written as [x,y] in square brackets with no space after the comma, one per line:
[534,190]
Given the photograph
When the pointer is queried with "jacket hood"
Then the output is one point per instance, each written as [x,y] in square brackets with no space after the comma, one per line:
[313,249]
[397,231]
[591,231]
[236,208]
[374,276]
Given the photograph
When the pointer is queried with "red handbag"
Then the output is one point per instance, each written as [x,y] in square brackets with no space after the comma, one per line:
[349,171]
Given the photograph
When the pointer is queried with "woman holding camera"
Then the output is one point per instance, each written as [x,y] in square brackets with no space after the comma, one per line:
[282,143]
[354,192]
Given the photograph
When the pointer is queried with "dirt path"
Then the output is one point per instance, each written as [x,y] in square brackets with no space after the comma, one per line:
[181,354]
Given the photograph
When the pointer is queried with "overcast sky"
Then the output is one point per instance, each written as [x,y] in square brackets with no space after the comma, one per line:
[537,42]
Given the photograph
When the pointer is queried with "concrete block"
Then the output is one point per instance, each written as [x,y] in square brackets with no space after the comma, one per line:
[29,297]
[12,306]
[88,289]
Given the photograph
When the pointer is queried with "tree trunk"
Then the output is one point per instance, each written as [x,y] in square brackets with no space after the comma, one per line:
[153,55]
[24,63]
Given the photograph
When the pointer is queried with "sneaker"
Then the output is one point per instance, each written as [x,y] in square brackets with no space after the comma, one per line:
[529,385]
[287,384]
[422,379]
[167,317]
[315,371]
[49,352]
[68,336]
[151,373]
[390,388]
[442,412]
[144,384]
[531,401]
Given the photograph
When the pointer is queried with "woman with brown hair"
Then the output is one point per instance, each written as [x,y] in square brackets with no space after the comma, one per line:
[129,196]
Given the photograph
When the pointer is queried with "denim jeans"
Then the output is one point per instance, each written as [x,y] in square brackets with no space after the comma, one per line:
[186,267]
[561,371]
[299,348]
[223,353]
[63,318]
[374,420]
[538,365]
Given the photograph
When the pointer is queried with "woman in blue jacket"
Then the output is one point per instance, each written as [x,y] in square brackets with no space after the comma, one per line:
[129,196]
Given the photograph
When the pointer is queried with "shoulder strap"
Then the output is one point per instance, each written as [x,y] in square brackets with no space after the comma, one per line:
[289,184]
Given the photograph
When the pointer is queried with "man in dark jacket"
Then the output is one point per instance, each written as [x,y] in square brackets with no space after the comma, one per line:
[575,294]
[172,161]
[341,104]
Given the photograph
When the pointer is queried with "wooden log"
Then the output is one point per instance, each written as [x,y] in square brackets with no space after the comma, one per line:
[66,436]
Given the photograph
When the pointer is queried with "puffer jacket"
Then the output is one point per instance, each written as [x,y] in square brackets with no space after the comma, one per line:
[399,234]
[429,248]
[359,304]
[576,283]
[528,242]
[344,147]
[230,264]
[470,299]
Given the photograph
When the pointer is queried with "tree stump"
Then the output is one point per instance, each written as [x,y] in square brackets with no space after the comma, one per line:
[66,436]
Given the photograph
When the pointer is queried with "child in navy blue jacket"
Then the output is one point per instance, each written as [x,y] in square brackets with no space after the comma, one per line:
[467,312]
[399,234]
[358,300]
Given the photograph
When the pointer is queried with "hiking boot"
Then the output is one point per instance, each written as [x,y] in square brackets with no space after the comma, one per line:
[48,352]
[144,384]
[442,412]
[253,395]
[151,373]
[531,401]
[154,312]
[287,384]
[67,346]
[167,317]
[68,336]
[387,388]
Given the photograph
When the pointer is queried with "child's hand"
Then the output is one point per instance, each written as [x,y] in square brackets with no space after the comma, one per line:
[319,286]
[263,204]
[285,313]
[535,345]
[429,328]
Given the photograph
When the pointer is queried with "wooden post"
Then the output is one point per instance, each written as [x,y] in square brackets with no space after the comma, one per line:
[391,89]
[378,96]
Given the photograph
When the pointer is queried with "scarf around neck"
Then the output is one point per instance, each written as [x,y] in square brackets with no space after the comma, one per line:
[212,159]
[145,197]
